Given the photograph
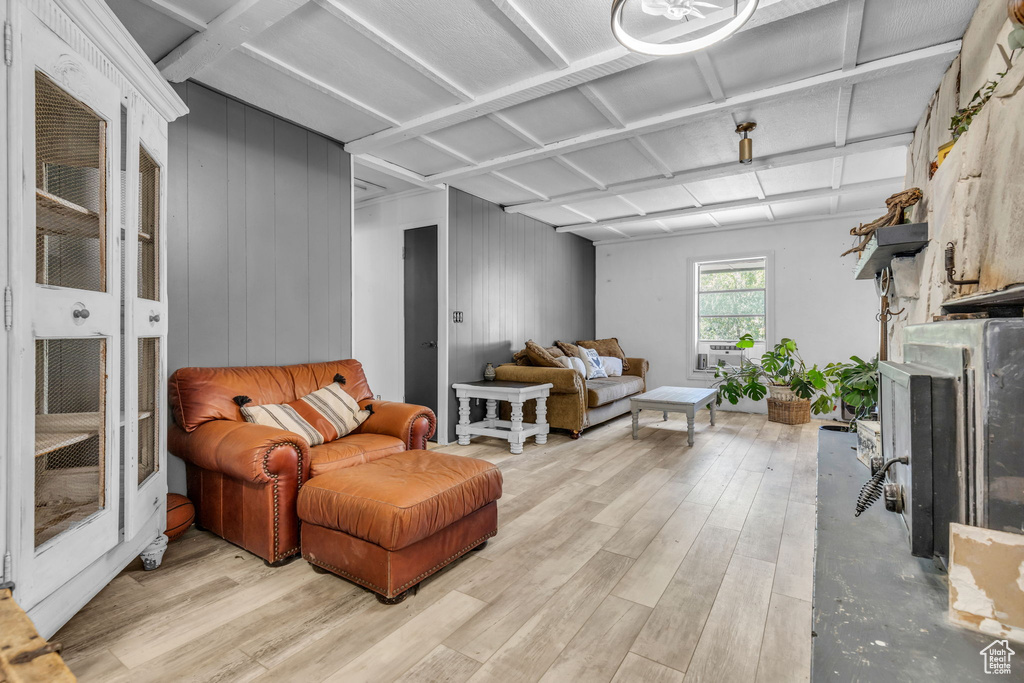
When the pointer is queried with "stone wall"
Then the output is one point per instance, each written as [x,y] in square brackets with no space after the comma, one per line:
[976,198]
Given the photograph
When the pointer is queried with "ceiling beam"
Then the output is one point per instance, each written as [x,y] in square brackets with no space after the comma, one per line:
[581,172]
[710,76]
[652,157]
[601,105]
[304,78]
[605,63]
[639,210]
[238,24]
[532,32]
[375,36]
[744,203]
[727,170]
[521,186]
[516,130]
[827,81]
[180,15]
[742,226]
[586,217]
[851,39]
[396,171]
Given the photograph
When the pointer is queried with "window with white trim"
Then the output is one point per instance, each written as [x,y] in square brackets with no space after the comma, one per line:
[731,302]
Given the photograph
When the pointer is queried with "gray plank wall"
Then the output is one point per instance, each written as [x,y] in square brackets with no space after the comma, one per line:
[259,240]
[514,278]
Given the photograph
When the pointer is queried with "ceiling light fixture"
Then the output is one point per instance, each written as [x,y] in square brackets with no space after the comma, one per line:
[677,10]
[746,144]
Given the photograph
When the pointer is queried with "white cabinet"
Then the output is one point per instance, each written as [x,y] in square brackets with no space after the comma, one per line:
[83,421]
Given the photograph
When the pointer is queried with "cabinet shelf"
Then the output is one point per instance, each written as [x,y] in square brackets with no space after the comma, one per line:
[57,216]
[60,430]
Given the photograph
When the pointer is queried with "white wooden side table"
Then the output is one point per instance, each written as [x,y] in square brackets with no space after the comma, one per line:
[515,431]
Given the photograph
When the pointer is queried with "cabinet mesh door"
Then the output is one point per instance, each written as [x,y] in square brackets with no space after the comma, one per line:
[70,433]
[149,225]
[149,422]
[70,191]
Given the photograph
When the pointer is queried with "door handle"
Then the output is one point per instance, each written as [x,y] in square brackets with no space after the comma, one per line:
[81,313]
[429,345]
[154,318]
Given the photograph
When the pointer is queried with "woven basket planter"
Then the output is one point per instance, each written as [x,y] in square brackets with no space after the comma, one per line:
[795,412]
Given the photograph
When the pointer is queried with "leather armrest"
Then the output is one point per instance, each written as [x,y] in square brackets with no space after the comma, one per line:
[565,380]
[638,367]
[411,423]
[241,450]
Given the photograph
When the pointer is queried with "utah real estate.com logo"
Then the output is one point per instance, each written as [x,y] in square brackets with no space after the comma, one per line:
[997,657]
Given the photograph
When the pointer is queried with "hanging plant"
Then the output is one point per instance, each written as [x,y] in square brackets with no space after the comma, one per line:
[961,121]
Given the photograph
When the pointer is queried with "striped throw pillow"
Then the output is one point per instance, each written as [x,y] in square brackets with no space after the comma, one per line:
[323,416]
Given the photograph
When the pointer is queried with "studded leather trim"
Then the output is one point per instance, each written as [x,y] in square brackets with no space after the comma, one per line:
[275,555]
[400,589]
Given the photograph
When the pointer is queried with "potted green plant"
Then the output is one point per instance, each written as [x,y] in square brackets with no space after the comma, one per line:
[794,390]
[857,386]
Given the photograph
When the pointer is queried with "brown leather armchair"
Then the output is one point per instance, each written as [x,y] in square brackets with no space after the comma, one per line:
[245,478]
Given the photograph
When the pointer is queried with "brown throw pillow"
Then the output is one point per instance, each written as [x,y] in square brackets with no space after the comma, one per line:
[539,356]
[607,347]
[520,358]
[568,349]
[555,351]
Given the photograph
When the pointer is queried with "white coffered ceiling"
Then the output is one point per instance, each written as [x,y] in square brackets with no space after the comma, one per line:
[533,105]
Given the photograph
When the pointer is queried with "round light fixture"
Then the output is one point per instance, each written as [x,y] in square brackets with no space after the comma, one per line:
[676,10]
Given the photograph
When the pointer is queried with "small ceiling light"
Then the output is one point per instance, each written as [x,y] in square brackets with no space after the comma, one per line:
[746,144]
[677,10]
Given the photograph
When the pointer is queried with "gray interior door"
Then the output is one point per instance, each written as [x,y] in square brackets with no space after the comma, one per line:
[421,316]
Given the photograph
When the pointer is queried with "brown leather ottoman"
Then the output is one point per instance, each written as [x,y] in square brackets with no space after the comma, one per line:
[391,523]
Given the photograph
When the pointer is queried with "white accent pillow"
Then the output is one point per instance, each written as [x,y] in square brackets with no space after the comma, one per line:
[573,363]
[593,363]
[612,366]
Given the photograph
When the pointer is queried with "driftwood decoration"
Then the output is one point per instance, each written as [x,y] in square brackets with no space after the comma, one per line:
[896,205]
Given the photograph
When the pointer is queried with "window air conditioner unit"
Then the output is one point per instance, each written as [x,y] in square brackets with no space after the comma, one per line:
[725,354]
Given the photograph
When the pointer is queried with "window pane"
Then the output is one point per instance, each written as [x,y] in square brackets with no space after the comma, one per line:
[711,279]
[732,303]
[731,329]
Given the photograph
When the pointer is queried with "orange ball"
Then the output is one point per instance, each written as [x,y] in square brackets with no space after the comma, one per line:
[180,515]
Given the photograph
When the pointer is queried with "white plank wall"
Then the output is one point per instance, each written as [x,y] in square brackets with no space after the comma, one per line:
[259,241]
[514,278]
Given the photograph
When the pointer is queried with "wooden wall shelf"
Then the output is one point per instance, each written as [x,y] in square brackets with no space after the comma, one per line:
[898,240]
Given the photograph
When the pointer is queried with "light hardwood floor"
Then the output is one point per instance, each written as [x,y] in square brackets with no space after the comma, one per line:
[616,560]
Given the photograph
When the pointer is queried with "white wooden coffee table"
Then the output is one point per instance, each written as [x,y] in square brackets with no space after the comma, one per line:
[515,431]
[674,400]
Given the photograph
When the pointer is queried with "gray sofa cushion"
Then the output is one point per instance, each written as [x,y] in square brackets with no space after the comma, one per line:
[608,389]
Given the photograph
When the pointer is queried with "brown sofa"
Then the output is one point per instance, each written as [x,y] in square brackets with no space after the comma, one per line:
[245,478]
[576,403]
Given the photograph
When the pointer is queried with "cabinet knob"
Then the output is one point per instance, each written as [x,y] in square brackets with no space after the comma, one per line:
[154,318]
[81,313]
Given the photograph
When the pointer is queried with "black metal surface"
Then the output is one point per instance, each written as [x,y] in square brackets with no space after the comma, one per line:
[898,240]
[988,357]
[918,420]
[879,612]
